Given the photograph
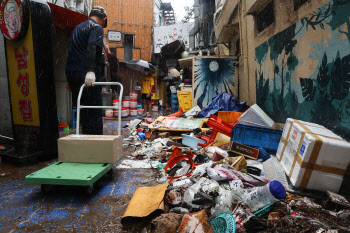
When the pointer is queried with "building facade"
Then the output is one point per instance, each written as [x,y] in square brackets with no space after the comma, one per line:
[294,57]
[130,28]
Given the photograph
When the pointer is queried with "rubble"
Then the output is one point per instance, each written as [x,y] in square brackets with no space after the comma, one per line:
[220,180]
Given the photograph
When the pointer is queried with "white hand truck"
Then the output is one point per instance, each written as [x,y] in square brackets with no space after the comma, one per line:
[101,107]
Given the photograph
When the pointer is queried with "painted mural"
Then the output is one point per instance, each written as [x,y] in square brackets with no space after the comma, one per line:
[304,71]
[164,35]
[212,76]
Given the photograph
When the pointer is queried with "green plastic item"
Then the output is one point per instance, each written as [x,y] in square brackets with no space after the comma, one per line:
[161,166]
[224,223]
[79,174]
[264,210]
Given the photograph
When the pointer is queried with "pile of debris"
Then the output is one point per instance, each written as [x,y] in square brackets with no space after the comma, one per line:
[238,172]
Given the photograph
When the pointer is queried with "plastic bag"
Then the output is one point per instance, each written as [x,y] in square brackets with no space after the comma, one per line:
[222,102]
[212,149]
[196,222]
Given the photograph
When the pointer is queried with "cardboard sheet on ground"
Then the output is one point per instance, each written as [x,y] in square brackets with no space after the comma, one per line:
[146,202]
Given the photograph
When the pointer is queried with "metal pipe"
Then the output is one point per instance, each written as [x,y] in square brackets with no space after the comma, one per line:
[1,136]
[195,29]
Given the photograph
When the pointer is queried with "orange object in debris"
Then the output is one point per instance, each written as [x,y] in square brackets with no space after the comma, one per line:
[176,114]
[228,116]
[175,158]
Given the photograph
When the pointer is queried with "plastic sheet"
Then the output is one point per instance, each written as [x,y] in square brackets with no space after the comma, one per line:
[222,102]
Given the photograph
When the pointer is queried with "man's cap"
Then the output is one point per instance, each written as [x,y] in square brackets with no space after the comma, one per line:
[100,12]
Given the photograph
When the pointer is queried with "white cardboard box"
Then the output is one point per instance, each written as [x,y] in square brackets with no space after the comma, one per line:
[90,148]
[312,156]
[256,116]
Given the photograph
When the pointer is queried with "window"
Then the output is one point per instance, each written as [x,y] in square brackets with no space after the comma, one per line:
[299,3]
[265,17]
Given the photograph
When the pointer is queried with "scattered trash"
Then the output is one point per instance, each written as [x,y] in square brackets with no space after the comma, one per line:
[225,178]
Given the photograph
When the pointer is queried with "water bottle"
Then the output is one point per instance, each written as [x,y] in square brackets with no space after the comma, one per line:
[265,195]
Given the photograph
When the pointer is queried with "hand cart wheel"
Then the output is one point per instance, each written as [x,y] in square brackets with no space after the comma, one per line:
[89,189]
[44,188]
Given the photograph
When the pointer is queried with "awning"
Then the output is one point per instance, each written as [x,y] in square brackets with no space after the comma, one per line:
[66,19]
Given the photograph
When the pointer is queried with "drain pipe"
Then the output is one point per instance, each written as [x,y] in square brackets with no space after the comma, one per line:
[195,29]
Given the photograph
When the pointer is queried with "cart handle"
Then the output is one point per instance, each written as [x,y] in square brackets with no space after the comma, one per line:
[101,107]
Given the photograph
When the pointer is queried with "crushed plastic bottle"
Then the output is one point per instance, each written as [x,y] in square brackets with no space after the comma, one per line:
[263,196]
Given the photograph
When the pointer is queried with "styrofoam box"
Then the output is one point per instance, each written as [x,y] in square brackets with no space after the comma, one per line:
[334,153]
[257,117]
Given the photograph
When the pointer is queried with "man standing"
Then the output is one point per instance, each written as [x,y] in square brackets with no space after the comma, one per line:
[147,85]
[84,65]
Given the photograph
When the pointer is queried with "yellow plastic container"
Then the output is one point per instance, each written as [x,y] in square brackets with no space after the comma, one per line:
[155,96]
[185,100]
[229,117]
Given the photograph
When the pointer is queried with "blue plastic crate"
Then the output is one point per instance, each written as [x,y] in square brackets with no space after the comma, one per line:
[257,136]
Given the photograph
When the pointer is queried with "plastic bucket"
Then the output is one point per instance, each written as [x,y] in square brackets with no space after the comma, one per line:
[125,112]
[126,103]
[109,113]
[133,95]
[133,112]
[155,108]
[116,104]
[133,103]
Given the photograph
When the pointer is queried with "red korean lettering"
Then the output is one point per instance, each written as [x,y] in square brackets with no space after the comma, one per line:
[22,80]
[26,109]
[21,58]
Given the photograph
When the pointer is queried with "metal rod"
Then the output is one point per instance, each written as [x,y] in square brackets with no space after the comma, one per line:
[101,107]
[1,136]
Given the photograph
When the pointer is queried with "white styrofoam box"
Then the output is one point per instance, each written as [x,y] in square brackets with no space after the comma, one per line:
[257,117]
[334,153]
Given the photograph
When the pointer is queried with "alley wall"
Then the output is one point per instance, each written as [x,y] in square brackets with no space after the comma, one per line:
[302,64]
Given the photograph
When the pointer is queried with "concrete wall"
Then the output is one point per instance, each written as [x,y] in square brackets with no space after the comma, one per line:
[5,109]
[303,70]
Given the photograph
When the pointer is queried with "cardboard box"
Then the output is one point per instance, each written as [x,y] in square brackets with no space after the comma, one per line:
[313,156]
[90,148]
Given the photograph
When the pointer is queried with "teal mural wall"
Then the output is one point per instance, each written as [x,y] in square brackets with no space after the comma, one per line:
[303,72]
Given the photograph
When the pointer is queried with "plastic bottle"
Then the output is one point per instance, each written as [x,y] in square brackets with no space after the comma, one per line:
[263,196]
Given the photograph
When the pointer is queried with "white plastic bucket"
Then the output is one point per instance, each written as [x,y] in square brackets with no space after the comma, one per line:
[125,112]
[126,103]
[133,95]
[155,108]
[133,103]
[109,113]
[133,112]
[116,104]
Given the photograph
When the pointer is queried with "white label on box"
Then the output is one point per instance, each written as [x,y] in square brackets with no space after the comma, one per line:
[291,149]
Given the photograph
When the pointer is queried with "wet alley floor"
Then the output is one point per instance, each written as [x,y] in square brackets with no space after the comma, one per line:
[24,208]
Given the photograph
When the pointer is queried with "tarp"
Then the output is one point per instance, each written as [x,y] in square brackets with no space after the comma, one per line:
[222,102]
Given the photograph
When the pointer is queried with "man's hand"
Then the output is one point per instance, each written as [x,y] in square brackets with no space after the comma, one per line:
[90,79]
[148,95]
